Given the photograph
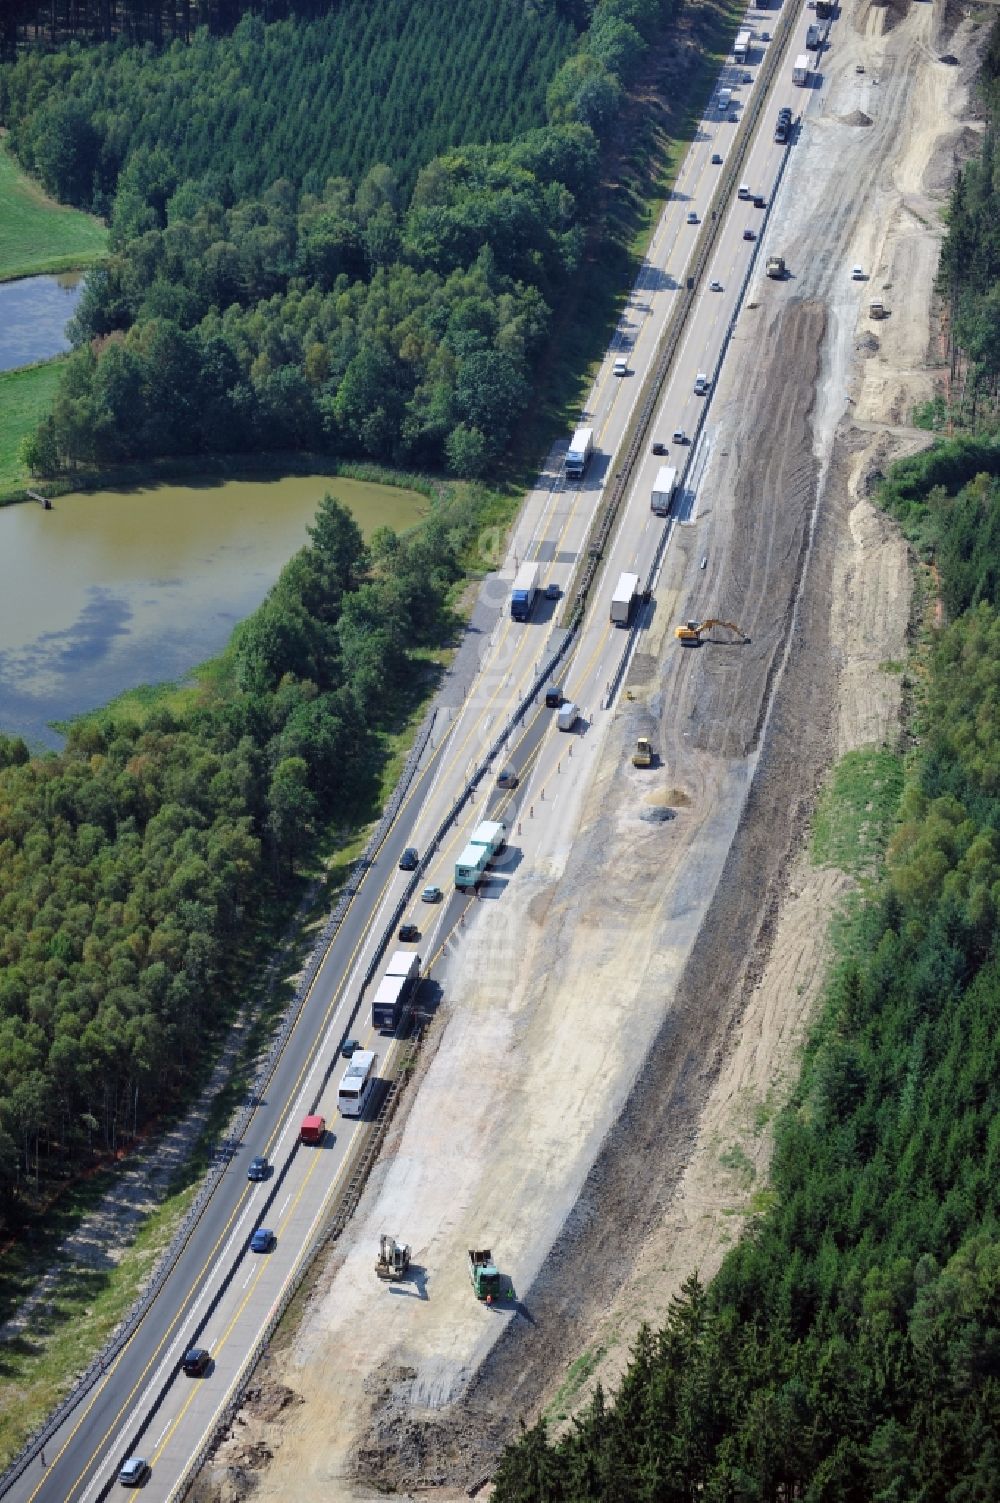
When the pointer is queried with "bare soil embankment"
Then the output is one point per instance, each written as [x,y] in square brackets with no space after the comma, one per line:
[611,1112]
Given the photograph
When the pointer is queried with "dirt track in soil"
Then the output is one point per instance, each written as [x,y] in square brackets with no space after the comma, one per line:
[820,582]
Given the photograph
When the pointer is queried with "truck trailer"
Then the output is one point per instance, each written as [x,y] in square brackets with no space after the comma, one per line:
[523,591]
[814,37]
[400,978]
[741,47]
[623,599]
[581,446]
[663,489]
[487,841]
[802,69]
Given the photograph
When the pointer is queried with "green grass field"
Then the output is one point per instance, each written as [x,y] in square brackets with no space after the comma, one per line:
[25,398]
[37,234]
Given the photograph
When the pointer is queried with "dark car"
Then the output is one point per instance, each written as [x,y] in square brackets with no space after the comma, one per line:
[760,202]
[349,1047]
[258,1168]
[659,448]
[196,1361]
[553,696]
[134,1472]
[716,159]
[553,591]
[263,1240]
[507,778]
[409,860]
[409,933]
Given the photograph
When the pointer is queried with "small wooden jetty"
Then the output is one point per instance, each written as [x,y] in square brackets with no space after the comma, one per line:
[43,501]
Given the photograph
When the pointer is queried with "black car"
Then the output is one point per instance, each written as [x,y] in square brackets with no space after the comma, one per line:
[409,933]
[760,202]
[259,1168]
[659,448]
[409,860]
[196,1361]
[349,1047]
[507,778]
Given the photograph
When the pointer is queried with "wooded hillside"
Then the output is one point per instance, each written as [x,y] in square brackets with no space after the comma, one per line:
[292,265]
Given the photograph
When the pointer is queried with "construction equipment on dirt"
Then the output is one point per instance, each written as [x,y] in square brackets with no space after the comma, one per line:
[692,632]
[643,754]
[775,267]
[487,1281]
[877,309]
[393,1258]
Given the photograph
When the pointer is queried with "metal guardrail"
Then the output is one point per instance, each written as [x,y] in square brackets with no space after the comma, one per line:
[637,432]
[328,1231]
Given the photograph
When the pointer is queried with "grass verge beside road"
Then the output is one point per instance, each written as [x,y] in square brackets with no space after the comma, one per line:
[25,397]
[38,235]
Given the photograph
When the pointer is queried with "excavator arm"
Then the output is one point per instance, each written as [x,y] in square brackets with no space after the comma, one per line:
[692,632]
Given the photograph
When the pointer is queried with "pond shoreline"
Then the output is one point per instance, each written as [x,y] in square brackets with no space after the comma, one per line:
[121,587]
[274,464]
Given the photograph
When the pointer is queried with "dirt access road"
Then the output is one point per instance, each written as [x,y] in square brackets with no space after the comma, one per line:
[615,1035]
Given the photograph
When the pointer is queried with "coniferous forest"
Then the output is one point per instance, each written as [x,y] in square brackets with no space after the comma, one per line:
[339,226]
[344,232]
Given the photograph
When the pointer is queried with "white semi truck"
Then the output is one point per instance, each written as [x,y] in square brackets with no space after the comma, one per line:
[523,591]
[623,599]
[578,454]
[741,48]
[402,974]
[663,489]
[802,69]
[487,841]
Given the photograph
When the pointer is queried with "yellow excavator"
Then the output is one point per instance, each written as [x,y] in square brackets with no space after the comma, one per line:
[691,633]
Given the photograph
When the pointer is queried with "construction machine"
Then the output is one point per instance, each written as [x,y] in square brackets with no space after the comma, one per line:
[775,267]
[691,633]
[487,1281]
[393,1258]
[643,754]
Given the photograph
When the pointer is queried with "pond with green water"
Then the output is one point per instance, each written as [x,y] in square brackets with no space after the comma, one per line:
[114,589]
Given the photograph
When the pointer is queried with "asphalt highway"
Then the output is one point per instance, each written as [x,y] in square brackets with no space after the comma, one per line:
[220,1294]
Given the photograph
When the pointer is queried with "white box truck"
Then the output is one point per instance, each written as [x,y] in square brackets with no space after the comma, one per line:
[741,49]
[623,598]
[402,974]
[581,446]
[663,489]
[567,717]
[523,591]
[802,69]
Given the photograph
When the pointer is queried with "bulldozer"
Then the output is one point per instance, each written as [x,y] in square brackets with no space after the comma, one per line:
[488,1283]
[692,632]
[393,1258]
[643,754]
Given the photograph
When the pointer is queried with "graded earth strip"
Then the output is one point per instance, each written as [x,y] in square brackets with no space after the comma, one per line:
[625,1017]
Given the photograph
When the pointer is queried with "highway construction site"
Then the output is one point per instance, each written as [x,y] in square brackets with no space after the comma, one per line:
[594,1096]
